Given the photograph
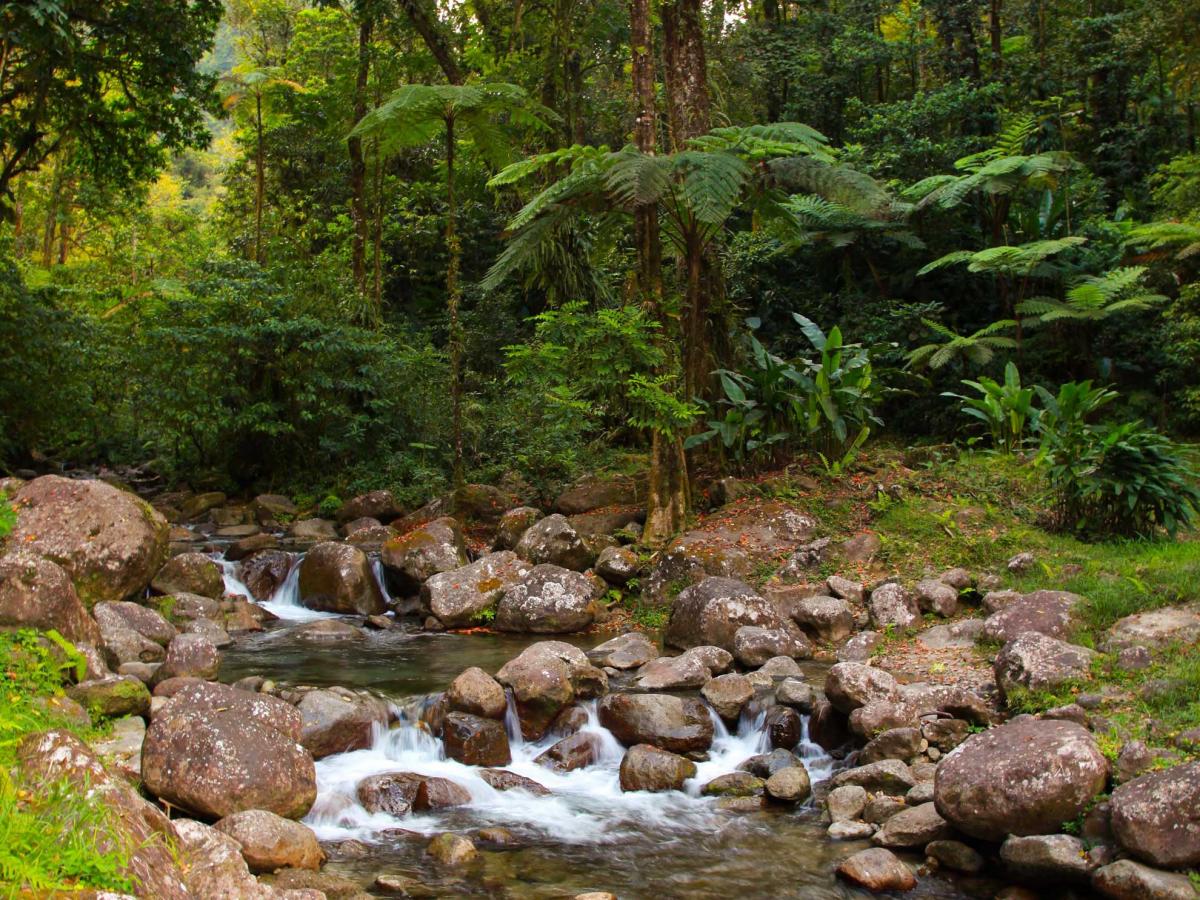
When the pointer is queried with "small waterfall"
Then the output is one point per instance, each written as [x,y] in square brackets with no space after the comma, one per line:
[284,603]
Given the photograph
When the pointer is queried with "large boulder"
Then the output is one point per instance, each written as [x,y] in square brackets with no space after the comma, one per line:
[728,695]
[1024,777]
[271,842]
[215,762]
[413,558]
[626,651]
[464,596]
[117,614]
[272,508]
[1156,817]
[554,540]
[754,645]
[109,542]
[264,572]
[913,827]
[1046,612]
[850,685]
[37,593]
[1156,628]
[542,687]
[711,612]
[475,741]
[112,697]
[891,604]
[190,573]
[397,793]
[262,709]
[136,831]
[337,721]
[379,505]
[548,600]
[678,724]
[649,768]
[823,618]
[733,543]
[481,503]
[512,525]
[598,491]
[189,656]
[338,578]
[1048,858]
[476,692]
[673,673]
[1037,662]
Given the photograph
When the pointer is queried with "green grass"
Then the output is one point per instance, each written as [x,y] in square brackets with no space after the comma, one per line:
[51,838]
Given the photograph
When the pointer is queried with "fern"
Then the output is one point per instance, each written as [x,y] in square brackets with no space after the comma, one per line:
[712,183]
[637,179]
[978,348]
[1095,298]
[1019,259]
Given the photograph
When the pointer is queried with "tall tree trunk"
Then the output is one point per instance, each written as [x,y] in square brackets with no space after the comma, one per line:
[668,495]
[259,176]
[430,30]
[453,296]
[358,164]
[997,33]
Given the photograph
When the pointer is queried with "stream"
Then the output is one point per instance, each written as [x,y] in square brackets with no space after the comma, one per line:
[588,835]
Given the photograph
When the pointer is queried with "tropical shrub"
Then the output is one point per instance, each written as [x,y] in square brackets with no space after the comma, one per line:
[1005,408]
[1122,480]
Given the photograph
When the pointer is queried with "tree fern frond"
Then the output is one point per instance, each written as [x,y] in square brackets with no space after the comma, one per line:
[635,178]
[587,179]
[712,183]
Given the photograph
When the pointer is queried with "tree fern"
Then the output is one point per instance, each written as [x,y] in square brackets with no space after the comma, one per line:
[1018,259]
[979,347]
[1095,298]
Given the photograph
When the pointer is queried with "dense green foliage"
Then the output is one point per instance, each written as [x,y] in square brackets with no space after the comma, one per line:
[897,197]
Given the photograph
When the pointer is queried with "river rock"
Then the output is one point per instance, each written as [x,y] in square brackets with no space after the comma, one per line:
[912,827]
[935,596]
[955,855]
[716,660]
[1027,776]
[210,629]
[891,604]
[112,697]
[1156,817]
[649,768]
[135,829]
[555,541]
[548,600]
[846,803]
[851,685]
[452,849]
[846,589]
[824,618]
[597,491]
[108,541]
[783,727]
[672,723]
[1037,662]
[413,558]
[481,503]
[1046,612]
[218,762]
[712,611]
[1129,880]
[512,525]
[189,655]
[464,596]
[504,780]
[1047,858]
[728,695]
[325,631]
[733,784]
[860,647]
[379,505]
[38,593]
[114,615]
[888,776]
[626,651]
[882,715]
[895,743]
[877,870]
[617,565]
[1155,629]
[475,741]
[262,709]
[753,645]
[272,508]
[190,573]
[271,842]
[338,578]
[476,692]
[263,573]
[305,531]
[542,686]
[672,673]
[337,721]
[213,864]
[575,751]
[793,691]
[789,785]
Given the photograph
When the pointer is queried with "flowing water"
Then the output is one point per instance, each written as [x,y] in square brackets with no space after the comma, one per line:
[588,834]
